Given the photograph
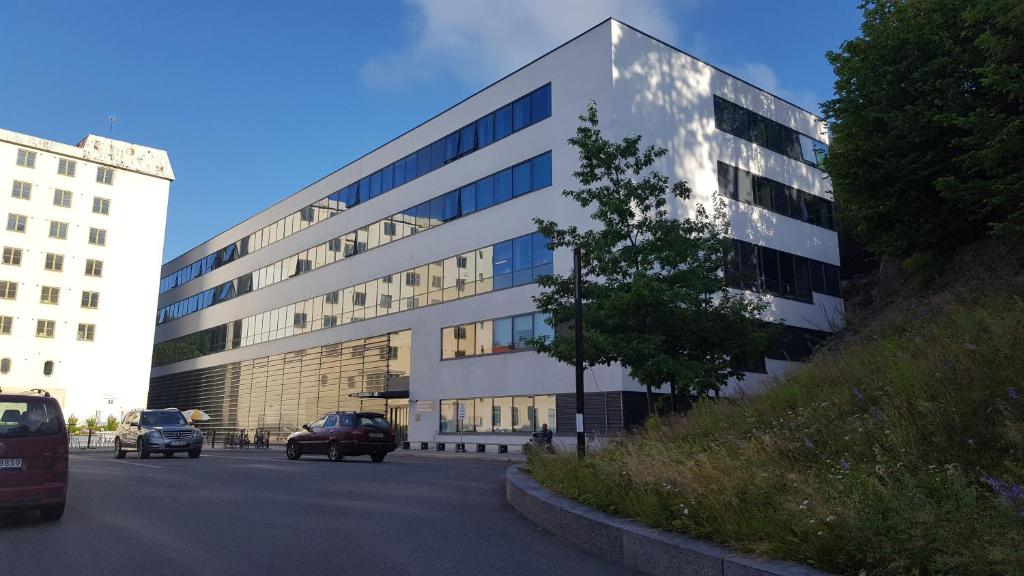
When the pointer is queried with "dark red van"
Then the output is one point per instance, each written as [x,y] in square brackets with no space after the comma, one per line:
[33,454]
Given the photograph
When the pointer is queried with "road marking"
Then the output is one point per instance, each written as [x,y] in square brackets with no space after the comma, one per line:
[138,464]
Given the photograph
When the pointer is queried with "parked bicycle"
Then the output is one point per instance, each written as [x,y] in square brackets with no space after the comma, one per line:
[262,438]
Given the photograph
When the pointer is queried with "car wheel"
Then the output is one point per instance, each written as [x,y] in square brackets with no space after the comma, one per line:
[378,458]
[194,453]
[118,452]
[168,454]
[334,452]
[293,451]
[143,451]
[52,513]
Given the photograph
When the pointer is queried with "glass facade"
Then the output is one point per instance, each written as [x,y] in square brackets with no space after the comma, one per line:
[529,110]
[461,276]
[776,197]
[533,174]
[284,391]
[508,334]
[498,415]
[763,269]
[752,127]
[790,343]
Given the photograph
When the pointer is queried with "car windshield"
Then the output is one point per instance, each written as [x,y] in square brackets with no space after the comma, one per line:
[162,419]
[375,421]
[25,418]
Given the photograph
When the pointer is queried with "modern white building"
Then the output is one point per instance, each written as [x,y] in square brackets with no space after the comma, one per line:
[82,242]
[402,282]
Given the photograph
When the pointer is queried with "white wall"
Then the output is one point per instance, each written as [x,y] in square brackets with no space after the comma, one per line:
[110,374]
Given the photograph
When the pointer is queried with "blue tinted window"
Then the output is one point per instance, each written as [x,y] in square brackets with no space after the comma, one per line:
[423,216]
[467,140]
[521,113]
[502,261]
[451,206]
[541,253]
[411,165]
[399,173]
[468,199]
[485,193]
[423,161]
[485,130]
[503,122]
[502,342]
[503,186]
[541,103]
[523,252]
[364,189]
[436,155]
[521,179]
[387,178]
[451,147]
[375,185]
[541,171]
[436,210]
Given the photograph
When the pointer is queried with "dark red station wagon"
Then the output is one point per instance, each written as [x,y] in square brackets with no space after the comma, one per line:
[33,454]
[341,434]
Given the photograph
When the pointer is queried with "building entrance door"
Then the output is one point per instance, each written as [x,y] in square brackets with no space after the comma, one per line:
[399,418]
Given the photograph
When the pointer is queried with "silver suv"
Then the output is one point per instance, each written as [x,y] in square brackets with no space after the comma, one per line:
[149,431]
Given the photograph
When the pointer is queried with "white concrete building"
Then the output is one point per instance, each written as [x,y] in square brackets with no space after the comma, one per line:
[82,243]
[282,318]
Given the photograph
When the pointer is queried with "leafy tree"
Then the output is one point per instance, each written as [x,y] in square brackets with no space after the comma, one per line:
[90,424]
[655,297]
[111,424]
[928,124]
[73,424]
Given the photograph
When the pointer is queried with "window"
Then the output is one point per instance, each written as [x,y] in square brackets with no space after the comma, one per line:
[26,158]
[100,205]
[748,125]
[332,297]
[330,321]
[62,198]
[58,230]
[22,190]
[8,290]
[54,262]
[49,295]
[6,325]
[66,167]
[104,175]
[359,298]
[97,236]
[299,320]
[307,214]
[5,365]
[777,197]
[87,332]
[90,299]
[12,256]
[94,268]
[753,267]
[385,301]
[45,328]
[48,368]
[389,228]
[16,222]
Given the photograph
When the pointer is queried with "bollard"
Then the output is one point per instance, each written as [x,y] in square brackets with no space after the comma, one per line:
[440,446]
[502,448]
[213,439]
[481,447]
[460,447]
[88,441]
[423,446]
[405,445]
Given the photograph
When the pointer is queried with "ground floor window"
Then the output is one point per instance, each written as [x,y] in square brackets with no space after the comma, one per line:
[498,414]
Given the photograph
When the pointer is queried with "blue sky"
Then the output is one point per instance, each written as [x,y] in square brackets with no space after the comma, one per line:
[255,99]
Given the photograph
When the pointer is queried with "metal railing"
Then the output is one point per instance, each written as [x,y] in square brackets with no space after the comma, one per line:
[92,440]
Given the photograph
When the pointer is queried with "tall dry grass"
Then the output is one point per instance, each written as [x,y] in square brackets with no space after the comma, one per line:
[899,453]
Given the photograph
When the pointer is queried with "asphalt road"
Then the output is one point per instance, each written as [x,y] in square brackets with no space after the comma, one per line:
[258,513]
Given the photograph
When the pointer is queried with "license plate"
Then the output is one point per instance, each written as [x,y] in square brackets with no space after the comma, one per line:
[10,463]
[376,434]
[179,443]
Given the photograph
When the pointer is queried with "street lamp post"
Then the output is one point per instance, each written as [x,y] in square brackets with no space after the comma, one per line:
[581,441]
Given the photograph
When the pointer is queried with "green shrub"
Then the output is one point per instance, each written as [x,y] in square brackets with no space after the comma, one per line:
[900,453]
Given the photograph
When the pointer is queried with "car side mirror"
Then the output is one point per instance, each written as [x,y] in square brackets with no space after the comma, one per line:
[306,426]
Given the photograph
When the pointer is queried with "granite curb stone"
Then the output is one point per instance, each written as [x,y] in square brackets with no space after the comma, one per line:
[633,544]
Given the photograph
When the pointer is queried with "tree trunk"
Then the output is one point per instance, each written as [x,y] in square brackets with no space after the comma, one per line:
[672,396]
[650,404]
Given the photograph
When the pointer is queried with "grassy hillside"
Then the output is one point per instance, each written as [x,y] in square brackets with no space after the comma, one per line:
[898,451]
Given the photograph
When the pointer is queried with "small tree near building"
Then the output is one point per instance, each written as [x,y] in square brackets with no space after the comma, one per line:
[73,424]
[90,424]
[111,424]
[655,298]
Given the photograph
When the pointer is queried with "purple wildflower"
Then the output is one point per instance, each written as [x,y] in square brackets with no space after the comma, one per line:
[969,346]
[1013,393]
[1012,494]
[808,443]
[858,394]
[844,465]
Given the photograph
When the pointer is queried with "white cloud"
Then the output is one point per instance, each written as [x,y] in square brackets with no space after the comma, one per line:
[478,41]
[762,76]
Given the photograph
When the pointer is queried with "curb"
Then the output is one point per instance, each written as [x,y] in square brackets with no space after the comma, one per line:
[632,544]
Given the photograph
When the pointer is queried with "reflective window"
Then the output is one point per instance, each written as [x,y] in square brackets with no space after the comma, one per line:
[16,222]
[104,175]
[501,414]
[777,197]
[753,267]
[54,262]
[8,290]
[45,328]
[12,256]
[6,325]
[87,332]
[100,205]
[49,295]
[97,236]
[26,158]
[90,299]
[763,131]
[21,190]
[62,198]
[66,167]
[532,108]
[58,230]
